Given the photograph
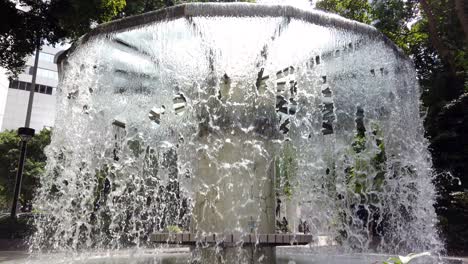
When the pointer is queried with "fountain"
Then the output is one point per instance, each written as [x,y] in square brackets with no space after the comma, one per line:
[235,128]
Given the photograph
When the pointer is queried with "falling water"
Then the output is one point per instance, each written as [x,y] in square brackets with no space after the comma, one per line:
[226,124]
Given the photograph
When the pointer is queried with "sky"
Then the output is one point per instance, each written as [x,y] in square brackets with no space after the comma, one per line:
[297,3]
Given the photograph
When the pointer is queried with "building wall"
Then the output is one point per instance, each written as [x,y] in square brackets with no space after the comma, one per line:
[43,111]
[14,100]
[3,94]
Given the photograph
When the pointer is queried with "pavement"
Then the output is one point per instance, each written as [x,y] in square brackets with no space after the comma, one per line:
[12,255]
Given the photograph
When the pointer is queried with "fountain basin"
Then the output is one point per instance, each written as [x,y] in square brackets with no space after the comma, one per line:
[182,255]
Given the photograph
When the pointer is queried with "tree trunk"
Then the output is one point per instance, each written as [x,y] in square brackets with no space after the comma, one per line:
[461,6]
[444,52]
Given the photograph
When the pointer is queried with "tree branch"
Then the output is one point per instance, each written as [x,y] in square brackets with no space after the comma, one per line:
[444,52]
[462,13]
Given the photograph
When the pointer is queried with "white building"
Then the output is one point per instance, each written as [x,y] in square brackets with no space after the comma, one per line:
[14,94]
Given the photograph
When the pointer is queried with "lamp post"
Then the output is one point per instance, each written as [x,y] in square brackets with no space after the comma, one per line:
[25,134]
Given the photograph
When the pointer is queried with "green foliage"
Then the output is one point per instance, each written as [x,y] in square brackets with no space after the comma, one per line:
[365,177]
[110,8]
[359,10]
[48,22]
[21,227]
[20,30]
[358,180]
[135,7]
[173,229]
[403,22]
[76,17]
[33,167]
[359,143]
[286,169]
[391,17]
[405,259]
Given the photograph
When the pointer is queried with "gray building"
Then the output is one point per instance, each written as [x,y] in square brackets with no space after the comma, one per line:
[14,94]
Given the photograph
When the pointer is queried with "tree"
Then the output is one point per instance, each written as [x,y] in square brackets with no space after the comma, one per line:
[77,17]
[34,166]
[436,40]
[20,30]
[462,13]
[134,7]
[392,17]
[48,22]
[359,10]
[436,25]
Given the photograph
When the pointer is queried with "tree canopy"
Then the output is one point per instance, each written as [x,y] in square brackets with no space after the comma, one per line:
[20,30]
[33,166]
[27,23]
[359,10]
[429,31]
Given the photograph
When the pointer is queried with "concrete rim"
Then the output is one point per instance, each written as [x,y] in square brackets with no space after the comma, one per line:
[232,10]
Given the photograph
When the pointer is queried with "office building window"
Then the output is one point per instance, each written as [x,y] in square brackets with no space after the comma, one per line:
[47,74]
[46,57]
[44,89]
[43,73]
[13,84]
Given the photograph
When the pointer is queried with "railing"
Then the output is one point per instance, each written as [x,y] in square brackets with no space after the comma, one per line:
[233,239]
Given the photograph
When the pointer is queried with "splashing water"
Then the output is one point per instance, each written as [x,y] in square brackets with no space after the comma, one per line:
[226,124]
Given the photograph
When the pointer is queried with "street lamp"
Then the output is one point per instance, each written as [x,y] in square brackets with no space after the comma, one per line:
[25,133]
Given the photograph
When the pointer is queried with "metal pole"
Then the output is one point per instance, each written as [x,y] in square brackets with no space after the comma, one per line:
[33,85]
[25,133]
[19,176]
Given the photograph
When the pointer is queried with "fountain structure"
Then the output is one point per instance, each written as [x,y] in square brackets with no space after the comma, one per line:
[235,128]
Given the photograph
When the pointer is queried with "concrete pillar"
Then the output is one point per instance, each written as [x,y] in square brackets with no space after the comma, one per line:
[234,194]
